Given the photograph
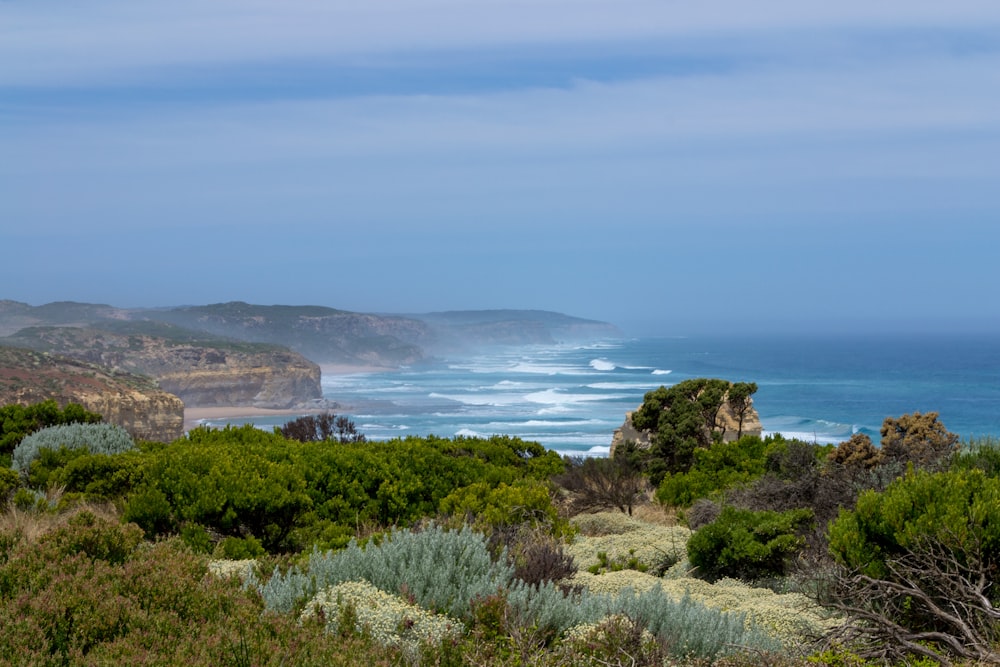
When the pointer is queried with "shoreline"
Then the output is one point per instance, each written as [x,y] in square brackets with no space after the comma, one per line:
[194,416]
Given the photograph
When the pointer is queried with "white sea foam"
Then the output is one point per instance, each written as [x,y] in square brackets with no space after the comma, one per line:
[661,372]
[623,385]
[558,397]
[602,365]
[482,399]
[597,450]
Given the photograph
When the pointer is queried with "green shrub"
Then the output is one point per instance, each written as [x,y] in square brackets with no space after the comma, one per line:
[197,538]
[239,548]
[9,480]
[93,438]
[149,509]
[748,545]
[527,502]
[18,421]
[958,510]
[980,453]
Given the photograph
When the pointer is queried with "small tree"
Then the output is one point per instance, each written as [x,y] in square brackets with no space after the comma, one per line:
[599,483]
[740,402]
[322,427]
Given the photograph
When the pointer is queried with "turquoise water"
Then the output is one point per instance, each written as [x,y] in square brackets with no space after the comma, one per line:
[571,398]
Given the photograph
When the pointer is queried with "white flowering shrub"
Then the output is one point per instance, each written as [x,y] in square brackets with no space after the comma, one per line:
[643,546]
[225,569]
[443,570]
[388,619]
[612,583]
[790,617]
[95,438]
[606,523]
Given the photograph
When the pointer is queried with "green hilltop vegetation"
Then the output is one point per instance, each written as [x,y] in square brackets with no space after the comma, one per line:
[323,335]
[310,545]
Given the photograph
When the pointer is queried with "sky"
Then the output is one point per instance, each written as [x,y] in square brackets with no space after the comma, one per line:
[671,167]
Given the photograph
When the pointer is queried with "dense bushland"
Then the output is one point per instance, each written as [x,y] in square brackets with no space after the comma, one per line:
[460,551]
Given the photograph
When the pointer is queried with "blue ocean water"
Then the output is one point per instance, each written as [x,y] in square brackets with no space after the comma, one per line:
[571,398]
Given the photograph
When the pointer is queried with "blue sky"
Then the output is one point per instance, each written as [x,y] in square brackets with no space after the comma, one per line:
[673,167]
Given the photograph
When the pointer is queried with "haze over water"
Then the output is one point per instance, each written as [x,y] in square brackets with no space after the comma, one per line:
[572,398]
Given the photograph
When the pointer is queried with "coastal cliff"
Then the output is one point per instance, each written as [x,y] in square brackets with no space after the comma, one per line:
[203,371]
[728,424]
[130,401]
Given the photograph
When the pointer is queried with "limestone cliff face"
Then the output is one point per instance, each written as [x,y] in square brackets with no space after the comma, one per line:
[212,378]
[727,421]
[130,401]
[203,371]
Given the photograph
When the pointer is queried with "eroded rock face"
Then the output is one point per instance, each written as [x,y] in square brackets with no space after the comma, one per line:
[203,374]
[728,422]
[273,380]
[130,401]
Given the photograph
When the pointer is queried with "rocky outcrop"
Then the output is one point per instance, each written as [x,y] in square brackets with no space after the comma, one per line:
[728,424]
[203,371]
[271,380]
[130,401]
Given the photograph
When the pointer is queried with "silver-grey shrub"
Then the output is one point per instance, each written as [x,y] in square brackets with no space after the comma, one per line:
[443,570]
[689,628]
[95,438]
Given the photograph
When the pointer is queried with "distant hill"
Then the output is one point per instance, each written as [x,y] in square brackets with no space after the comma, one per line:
[470,328]
[241,354]
[321,334]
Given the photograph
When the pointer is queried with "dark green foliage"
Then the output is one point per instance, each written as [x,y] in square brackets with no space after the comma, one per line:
[740,400]
[748,545]
[240,548]
[18,421]
[9,481]
[683,418]
[322,427]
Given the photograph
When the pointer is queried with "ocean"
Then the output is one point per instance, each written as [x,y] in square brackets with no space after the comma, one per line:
[571,398]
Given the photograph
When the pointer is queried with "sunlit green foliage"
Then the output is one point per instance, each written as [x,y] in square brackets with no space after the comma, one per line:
[959,510]
[290,495]
[717,468]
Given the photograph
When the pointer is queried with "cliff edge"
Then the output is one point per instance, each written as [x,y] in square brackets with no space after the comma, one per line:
[133,402]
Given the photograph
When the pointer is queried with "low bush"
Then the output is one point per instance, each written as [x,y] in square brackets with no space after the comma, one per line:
[748,545]
[92,438]
[19,421]
[443,570]
[388,619]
